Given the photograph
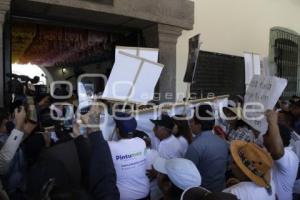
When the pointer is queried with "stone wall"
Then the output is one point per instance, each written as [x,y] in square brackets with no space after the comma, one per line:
[4,7]
[169,17]
[178,13]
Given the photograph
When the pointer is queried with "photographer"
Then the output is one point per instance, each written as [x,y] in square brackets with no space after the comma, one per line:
[12,161]
[11,144]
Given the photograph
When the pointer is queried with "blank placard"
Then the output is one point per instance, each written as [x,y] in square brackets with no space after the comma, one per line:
[122,77]
[145,83]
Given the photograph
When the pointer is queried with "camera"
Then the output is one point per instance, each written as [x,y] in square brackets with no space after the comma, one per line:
[23,92]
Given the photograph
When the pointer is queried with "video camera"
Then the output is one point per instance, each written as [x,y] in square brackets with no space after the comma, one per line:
[23,92]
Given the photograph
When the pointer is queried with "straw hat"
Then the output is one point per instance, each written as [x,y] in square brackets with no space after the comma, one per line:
[254,161]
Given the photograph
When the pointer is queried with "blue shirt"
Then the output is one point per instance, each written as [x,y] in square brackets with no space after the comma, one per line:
[210,154]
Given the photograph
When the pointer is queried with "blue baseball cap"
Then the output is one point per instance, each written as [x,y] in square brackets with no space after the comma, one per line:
[125,122]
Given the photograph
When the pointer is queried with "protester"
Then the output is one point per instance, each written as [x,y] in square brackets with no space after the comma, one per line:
[295,98]
[285,118]
[12,161]
[295,111]
[285,106]
[208,150]
[237,128]
[176,175]
[200,193]
[182,132]
[251,166]
[285,167]
[50,178]
[169,146]
[59,161]
[151,156]
[129,159]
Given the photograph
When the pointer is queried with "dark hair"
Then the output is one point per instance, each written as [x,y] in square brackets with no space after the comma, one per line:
[277,105]
[285,134]
[125,135]
[202,111]
[143,136]
[237,99]
[175,192]
[241,123]
[288,116]
[183,128]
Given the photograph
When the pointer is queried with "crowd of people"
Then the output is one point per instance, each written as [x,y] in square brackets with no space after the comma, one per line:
[197,158]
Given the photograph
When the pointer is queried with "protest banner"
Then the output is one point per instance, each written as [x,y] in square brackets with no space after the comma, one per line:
[264,92]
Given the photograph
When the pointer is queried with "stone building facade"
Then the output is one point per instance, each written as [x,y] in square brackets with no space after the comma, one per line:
[161,22]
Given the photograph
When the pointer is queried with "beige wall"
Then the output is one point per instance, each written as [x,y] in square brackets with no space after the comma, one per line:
[235,26]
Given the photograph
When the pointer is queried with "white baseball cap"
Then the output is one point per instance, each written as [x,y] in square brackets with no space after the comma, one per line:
[182,172]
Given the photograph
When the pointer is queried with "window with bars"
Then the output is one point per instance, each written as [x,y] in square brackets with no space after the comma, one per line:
[285,54]
[218,74]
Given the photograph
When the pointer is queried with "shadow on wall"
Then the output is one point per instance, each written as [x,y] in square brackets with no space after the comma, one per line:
[295,2]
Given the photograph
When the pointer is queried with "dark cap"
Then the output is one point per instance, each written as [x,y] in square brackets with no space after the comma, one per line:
[164,120]
[125,123]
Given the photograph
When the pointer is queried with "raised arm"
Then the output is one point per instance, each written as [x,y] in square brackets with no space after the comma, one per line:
[13,142]
[272,139]
[102,174]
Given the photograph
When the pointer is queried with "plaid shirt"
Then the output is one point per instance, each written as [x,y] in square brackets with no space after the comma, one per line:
[242,133]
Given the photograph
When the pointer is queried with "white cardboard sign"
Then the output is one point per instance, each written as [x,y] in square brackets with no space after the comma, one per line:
[265,90]
[132,79]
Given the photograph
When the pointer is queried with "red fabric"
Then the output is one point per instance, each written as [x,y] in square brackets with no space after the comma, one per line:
[219,131]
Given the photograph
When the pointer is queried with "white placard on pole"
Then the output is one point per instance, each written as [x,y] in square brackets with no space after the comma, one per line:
[252,66]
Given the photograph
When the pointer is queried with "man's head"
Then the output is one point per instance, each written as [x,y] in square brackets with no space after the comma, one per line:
[250,162]
[203,119]
[125,125]
[232,115]
[295,98]
[285,118]
[163,126]
[176,175]
[295,108]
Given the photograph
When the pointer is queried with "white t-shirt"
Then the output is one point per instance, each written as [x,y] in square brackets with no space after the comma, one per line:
[296,148]
[183,145]
[155,192]
[169,148]
[129,157]
[251,191]
[284,173]
[151,156]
